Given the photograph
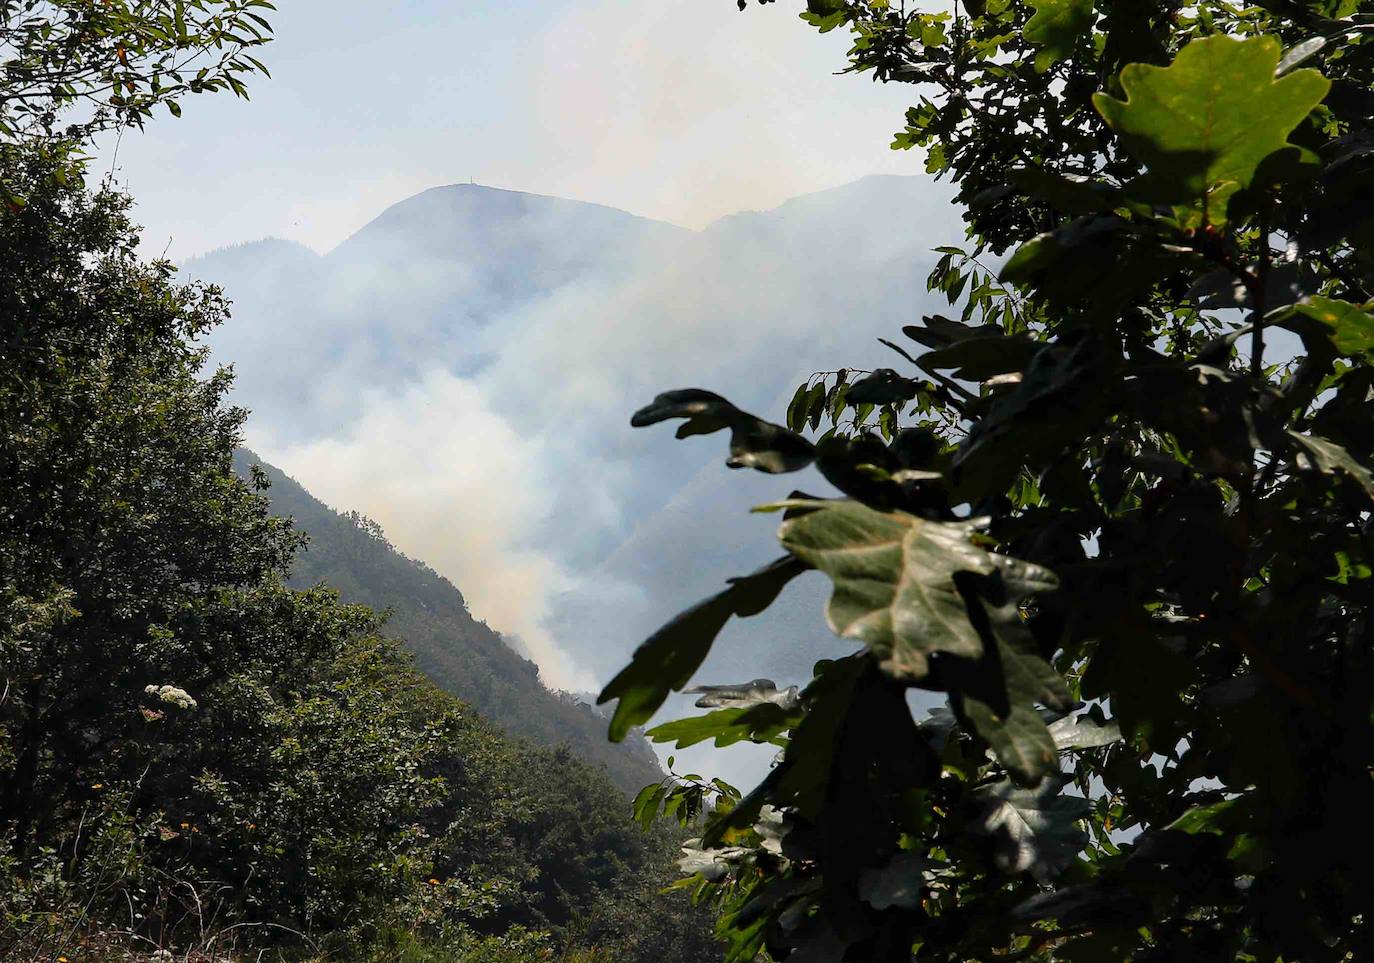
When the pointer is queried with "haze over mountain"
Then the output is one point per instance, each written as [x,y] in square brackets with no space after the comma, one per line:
[463,369]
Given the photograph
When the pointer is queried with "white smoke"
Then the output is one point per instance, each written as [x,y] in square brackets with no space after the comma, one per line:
[457,485]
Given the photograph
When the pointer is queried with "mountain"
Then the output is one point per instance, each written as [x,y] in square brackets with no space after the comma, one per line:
[466,251]
[420,286]
[463,655]
[464,367]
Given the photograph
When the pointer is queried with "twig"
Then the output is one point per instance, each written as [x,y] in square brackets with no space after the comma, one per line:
[1257,299]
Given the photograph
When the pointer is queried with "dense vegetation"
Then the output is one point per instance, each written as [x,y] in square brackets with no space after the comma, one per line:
[428,615]
[1117,511]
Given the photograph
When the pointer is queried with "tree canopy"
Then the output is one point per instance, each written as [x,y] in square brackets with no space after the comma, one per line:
[1114,510]
[109,63]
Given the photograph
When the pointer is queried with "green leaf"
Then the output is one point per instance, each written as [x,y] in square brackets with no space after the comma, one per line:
[760,723]
[809,762]
[838,403]
[1056,27]
[997,696]
[815,405]
[1330,458]
[978,359]
[894,579]
[1101,902]
[1034,831]
[1099,259]
[938,331]
[796,408]
[754,443]
[646,804]
[1072,194]
[802,778]
[668,658]
[1350,327]
[1063,394]
[1203,125]
[1146,705]
[1207,820]
[826,15]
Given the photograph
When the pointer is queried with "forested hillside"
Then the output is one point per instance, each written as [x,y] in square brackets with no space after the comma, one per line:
[428,614]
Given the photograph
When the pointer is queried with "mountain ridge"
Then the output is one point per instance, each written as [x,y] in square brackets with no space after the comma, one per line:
[787,207]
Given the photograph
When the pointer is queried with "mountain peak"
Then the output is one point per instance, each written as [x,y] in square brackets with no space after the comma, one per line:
[476,213]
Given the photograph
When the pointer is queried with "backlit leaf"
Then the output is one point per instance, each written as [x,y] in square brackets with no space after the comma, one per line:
[1056,27]
[1203,125]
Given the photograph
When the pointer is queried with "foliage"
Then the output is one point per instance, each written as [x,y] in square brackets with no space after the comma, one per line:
[149,653]
[115,61]
[129,553]
[1117,514]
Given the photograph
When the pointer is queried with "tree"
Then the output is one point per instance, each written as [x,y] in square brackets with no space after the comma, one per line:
[1117,513]
[126,538]
[116,61]
[157,676]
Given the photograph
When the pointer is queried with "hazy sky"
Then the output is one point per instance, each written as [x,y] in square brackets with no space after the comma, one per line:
[677,109]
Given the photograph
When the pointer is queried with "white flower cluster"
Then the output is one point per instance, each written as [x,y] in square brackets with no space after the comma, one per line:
[171,695]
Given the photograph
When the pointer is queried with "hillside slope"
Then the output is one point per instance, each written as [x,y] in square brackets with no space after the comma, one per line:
[461,654]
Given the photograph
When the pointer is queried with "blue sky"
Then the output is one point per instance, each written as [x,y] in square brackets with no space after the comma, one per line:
[678,109]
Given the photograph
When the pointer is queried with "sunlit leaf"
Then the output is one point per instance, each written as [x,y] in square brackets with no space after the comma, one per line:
[893,578]
[1350,327]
